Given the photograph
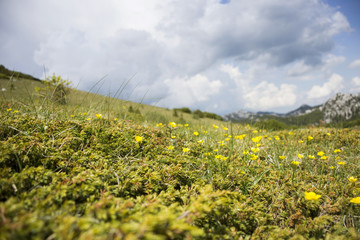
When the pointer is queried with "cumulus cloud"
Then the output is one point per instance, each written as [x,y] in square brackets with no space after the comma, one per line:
[356,81]
[267,95]
[188,91]
[334,84]
[262,96]
[355,63]
[303,70]
[172,45]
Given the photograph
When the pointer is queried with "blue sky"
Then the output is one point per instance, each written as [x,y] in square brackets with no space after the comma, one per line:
[215,55]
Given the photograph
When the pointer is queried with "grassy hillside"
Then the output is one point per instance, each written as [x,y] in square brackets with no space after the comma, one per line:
[21,92]
[92,169]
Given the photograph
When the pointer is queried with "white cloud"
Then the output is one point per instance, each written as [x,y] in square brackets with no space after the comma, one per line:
[176,47]
[356,81]
[266,96]
[262,96]
[302,70]
[355,63]
[332,86]
[188,91]
[356,85]
[299,68]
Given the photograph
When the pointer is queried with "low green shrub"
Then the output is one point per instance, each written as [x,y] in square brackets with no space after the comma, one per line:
[88,177]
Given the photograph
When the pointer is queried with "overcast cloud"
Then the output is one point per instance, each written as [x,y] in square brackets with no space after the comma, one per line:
[255,55]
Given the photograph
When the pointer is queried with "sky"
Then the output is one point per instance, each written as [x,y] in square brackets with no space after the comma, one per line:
[219,56]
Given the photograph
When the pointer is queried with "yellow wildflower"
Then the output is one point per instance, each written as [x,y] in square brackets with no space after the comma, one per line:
[255,150]
[253,157]
[300,156]
[321,153]
[311,156]
[170,147]
[99,115]
[300,141]
[240,136]
[186,149]
[138,138]
[282,157]
[324,157]
[15,111]
[255,131]
[245,152]
[214,126]
[355,200]
[196,133]
[256,139]
[8,110]
[225,128]
[296,163]
[337,150]
[332,167]
[341,163]
[172,124]
[291,133]
[311,196]
[186,125]
[201,141]
[352,179]
[310,138]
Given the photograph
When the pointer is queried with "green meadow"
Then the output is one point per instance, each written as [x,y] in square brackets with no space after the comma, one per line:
[97,167]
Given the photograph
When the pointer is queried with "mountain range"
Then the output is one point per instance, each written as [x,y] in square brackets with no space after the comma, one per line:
[341,107]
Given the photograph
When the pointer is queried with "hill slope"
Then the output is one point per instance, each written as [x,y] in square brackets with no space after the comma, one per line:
[76,178]
[22,90]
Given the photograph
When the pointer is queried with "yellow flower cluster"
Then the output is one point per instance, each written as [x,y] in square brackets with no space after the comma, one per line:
[256,139]
[138,138]
[311,196]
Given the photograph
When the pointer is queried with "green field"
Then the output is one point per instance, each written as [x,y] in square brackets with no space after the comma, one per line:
[103,168]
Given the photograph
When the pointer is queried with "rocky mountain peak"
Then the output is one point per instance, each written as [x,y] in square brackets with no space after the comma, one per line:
[341,106]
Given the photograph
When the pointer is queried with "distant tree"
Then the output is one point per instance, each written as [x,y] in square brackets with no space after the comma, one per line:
[184,110]
[59,88]
[198,113]
[56,89]
[175,114]
[130,109]
[271,124]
